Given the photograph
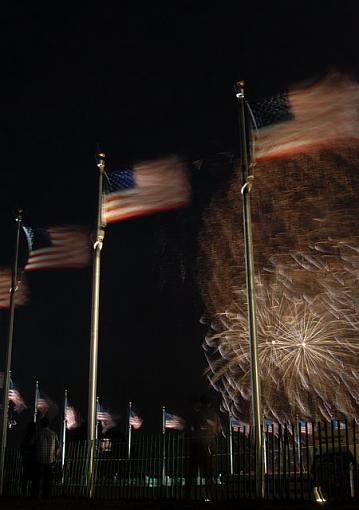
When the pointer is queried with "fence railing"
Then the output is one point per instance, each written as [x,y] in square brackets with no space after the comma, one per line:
[311,461]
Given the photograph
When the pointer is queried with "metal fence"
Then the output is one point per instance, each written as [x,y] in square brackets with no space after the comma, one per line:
[311,461]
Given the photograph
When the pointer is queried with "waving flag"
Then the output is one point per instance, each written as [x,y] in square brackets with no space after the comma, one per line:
[16,398]
[21,294]
[58,247]
[174,422]
[106,418]
[135,421]
[14,395]
[45,405]
[306,426]
[305,118]
[150,187]
[72,417]
[235,424]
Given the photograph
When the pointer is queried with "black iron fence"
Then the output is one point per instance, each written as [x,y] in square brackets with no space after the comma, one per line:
[300,461]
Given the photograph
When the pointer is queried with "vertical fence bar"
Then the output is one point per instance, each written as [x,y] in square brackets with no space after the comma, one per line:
[300,447]
[294,455]
[355,474]
[335,471]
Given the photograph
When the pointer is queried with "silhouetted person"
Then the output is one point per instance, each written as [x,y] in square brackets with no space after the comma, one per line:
[204,426]
[27,450]
[46,452]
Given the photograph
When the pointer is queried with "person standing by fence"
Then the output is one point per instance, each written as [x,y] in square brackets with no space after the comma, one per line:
[47,449]
[203,429]
[27,451]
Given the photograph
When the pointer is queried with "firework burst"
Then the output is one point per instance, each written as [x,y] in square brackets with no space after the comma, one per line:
[305,358]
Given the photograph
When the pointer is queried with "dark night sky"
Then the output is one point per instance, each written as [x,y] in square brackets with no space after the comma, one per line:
[144,80]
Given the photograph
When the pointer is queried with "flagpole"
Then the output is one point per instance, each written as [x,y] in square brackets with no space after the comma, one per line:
[36,400]
[163,445]
[8,356]
[97,420]
[231,446]
[92,392]
[64,436]
[129,429]
[247,181]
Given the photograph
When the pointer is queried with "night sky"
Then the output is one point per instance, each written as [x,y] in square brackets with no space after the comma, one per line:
[143,81]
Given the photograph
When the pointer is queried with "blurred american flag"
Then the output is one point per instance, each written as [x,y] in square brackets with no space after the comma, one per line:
[72,418]
[305,118]
[151,187]
[174,422]
[106,418]
[58,247]
[16,398]
[135,421]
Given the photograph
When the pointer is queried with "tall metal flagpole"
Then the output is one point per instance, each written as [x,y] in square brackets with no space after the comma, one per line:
[36,401]
[163,445]
[247,180]
[129,430]
[7,370]
[64,426]
[230,440]
[92,392]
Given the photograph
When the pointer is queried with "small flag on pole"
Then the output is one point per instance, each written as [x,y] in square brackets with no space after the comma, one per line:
[135,421]
[16,398]
[174,422]
[306,426]
[72,417]
[106,418]
[150,187]
[235,424]
[57,247]
[45,405]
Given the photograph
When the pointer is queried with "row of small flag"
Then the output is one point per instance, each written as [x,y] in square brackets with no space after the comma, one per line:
[44,405]
[274,428]
[109,420]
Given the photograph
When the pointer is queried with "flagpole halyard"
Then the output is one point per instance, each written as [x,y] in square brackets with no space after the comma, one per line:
[92,392]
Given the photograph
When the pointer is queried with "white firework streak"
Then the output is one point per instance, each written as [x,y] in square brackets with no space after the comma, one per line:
[306,357]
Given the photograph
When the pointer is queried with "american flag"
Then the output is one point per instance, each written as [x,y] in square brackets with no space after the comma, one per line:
[270,427]
[235,424]
[305,426]
[150,187]
[72,418]
[106,419]
[58,247]
[174,422]
[45,405]
[135,421]
[303,119]
[21,294]
[16,398]
[14,395]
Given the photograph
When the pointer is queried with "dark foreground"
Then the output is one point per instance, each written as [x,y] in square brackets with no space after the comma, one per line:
[82,504]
